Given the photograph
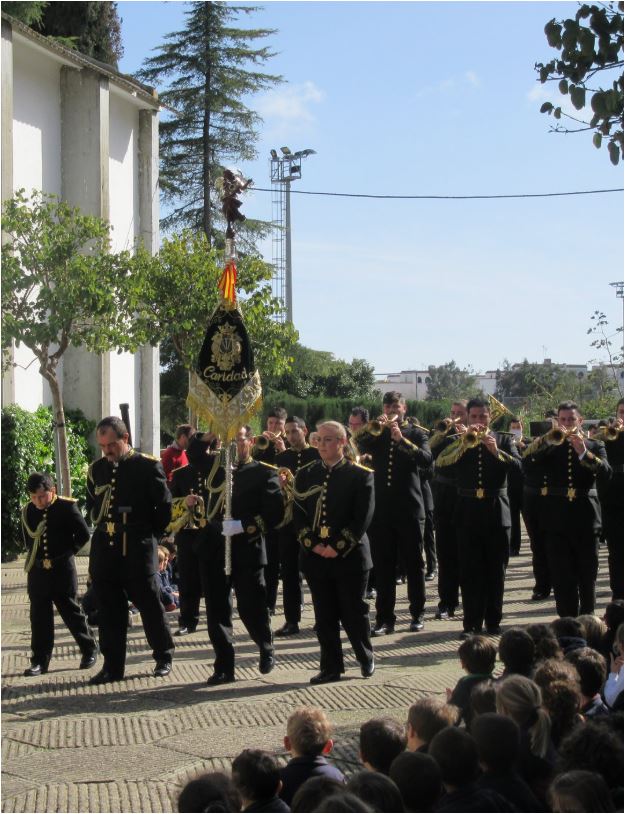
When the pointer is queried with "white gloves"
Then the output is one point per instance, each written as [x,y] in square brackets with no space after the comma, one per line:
[231,527]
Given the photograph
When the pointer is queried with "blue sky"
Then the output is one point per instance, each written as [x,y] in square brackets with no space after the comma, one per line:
[427,98]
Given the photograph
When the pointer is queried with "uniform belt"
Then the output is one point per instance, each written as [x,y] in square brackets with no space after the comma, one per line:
[482,493]
[109,527]
[554,491]
[443,480]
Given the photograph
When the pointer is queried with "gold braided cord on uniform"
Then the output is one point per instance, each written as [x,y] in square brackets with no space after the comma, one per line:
[538,445]
[180,515]
[105,490]
[35,535]
[453,453]
[301,496]
[437,438]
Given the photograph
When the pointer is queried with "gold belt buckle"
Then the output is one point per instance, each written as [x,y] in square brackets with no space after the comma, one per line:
[110,528]
[544,491]
[324,532]
[479,493]
[571,493]
[47,564]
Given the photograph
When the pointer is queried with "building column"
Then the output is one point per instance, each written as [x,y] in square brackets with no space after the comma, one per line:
[8,379]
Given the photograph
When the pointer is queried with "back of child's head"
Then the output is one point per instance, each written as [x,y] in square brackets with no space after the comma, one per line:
[562,701]
[482,698]
[580,790]
[521,699]
[552,670]
[591,669]
[313,791]
[594,629]
[614,614]
[213,791]
[517,651]
[377,790]
[256,775]
[381,740]
[546,645]
[418,778]
[478,654]
[595,747]
[342,801]
[427,716]
[309,730]
[456,753]
[567,626]
[498,739]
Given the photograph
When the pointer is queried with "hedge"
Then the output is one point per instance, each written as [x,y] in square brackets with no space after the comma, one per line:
[28,446]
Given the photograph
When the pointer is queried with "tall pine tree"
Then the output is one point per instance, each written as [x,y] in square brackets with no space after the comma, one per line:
[211,68]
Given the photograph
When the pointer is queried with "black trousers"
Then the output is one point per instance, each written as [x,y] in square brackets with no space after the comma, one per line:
[292,594]
[189,579]
[391,539]
[56,588]
[573,562]
[339,598]
[612,517]
[540,564]
[483,557]
[249,589]
[429,542]
[112,592]
[272,569]
[448,569]
[216,589]
[515,498]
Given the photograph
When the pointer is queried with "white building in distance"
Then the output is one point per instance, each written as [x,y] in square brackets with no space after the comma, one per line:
[78,129]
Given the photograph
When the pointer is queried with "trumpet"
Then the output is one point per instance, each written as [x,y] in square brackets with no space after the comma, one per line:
[472,438]
[446,424]
[610,433]
[377,425]
[261,443]
[196,514]
[414,423]
[557,436]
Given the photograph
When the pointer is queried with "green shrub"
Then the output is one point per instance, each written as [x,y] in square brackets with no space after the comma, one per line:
[28,446]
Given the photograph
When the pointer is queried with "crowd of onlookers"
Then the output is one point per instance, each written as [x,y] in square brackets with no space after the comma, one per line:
[546,734]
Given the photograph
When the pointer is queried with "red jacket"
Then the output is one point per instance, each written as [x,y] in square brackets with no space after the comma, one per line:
[173,457]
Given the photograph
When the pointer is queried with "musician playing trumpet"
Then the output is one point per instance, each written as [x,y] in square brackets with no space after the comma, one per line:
[480,460]
[570,464]
[612,501]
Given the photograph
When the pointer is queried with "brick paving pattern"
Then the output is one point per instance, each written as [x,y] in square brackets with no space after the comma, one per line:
[130,746]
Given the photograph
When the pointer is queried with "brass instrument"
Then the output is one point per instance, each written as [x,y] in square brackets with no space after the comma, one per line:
[609,433]
[414,423]
[473,438]
[446,424]
[557,436]
[377,425]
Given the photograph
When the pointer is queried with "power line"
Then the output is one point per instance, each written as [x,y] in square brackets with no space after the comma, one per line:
[446,197]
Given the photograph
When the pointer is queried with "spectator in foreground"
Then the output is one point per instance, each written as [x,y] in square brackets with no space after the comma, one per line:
[343,801]
[483,698]
[477,656]
[426,717]
[591,668]
[308,732]
[377,791]
[545,642]
[613,617]
[456,753]
[175,455]
[213,791]
[314,791]
[418,778]
[613,689]
[569,632]
[256,777]
[381,740]
[594,629]
[517,652]
[595,747]
[498,742]
[580,790]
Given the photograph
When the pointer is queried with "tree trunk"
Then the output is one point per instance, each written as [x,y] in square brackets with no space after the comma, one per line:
[50,376]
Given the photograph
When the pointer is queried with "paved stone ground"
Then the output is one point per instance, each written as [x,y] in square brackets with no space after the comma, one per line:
[131,745]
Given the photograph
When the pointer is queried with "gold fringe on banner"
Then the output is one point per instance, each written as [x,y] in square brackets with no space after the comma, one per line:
[224,415]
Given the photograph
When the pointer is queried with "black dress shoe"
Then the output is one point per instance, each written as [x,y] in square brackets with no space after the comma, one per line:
[37,668]
[371,594]
[105,677]
[493,630]
[324,677]
[382,630]
[88,660]
[367,670]
[184,631]
[287,629]
[162,669]
[416,624]
[220,678]
[537,596]
[266,664]
[430,575]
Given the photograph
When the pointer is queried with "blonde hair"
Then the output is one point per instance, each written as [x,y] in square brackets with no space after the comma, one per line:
[338,428]
[308,729]
[594,629]
[521,699]
[163,554]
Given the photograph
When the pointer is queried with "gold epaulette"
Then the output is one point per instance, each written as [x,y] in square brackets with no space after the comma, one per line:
[149,457]
[362,466]
[270,466]
[309,464]
[67,499]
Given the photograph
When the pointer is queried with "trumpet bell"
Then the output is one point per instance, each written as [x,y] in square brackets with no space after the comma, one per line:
[261,443]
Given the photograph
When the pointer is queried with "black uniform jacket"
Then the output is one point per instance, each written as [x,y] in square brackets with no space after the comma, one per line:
[256,502]
[56,533]
[128,504]
[568,484]
[444,480]
[396,469]
[268,455]
[612,492]
[192,526]
[334,506]
[481,480]
[294,459]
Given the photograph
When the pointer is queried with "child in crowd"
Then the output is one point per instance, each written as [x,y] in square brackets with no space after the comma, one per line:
[594,630]
[256,777]
[213,791]
[569,632]
[418,779]
[381,740]
[483,698]
[477,656]
[308,739]
[580,791]
[591,667]
[517,652]
[545,642]
[377,790]
[311,794]
[613,617]
[613,689]
[426,717]
[169,597]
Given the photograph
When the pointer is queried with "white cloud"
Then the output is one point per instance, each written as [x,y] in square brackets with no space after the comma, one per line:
[472,78]
[450,84]
[549,93]
[290,104]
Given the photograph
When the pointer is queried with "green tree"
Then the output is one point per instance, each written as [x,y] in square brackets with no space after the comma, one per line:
[213,69]
[61,287]
[591,47]
[176,294]
[449,381]
[28,12]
